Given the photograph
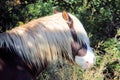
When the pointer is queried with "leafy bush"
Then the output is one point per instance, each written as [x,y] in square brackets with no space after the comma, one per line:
[21,12]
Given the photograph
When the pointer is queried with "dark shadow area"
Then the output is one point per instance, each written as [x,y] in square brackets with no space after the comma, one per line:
[10,12]
[110,71]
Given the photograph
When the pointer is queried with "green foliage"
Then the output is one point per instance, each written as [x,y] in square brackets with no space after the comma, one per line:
[91,13]
[112,68]
[22,11]
[36,10]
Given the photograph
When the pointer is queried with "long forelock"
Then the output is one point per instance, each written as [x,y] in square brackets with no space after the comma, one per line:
[81,33]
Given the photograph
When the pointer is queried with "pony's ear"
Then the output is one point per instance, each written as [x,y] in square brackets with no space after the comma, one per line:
[55,11]
[68,19]
[65,15]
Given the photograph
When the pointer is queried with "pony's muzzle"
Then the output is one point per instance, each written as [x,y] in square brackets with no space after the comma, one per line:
[89,65]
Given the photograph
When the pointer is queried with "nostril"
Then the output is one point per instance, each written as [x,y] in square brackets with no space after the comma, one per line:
[87,62]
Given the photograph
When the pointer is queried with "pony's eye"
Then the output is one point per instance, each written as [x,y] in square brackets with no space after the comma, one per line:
[82,52]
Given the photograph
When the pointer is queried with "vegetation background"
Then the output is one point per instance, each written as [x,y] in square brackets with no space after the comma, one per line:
[101,19]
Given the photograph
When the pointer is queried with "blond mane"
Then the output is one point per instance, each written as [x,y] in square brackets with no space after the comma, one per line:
[44,40]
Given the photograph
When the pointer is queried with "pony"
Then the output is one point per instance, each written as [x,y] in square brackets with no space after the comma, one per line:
[27,50]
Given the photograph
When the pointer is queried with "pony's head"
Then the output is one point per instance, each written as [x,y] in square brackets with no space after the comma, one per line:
[81,50]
